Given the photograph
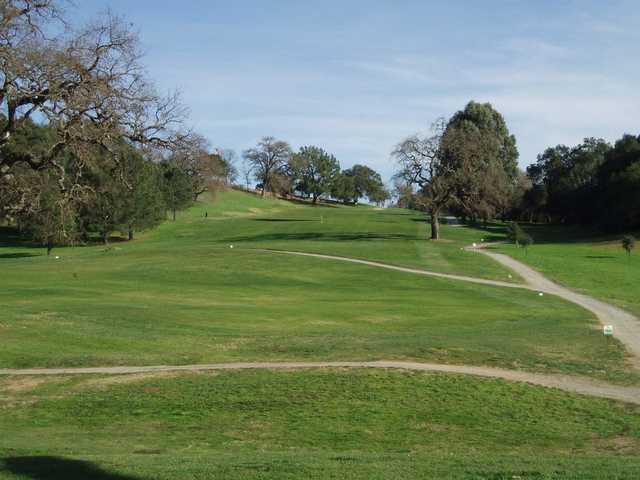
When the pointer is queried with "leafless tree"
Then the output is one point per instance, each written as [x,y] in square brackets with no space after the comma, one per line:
[268,160]
[228,160]
[422,164]
[194,158]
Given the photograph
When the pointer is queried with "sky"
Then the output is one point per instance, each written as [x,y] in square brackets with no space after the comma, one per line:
[356,77]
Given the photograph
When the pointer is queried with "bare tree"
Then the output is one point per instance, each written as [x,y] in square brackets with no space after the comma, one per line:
[246,171]
[422,164]
[88,84]
[228,168]
[268,160]
[202,167]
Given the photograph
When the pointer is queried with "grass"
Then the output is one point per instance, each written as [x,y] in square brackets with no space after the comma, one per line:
[181,295]
[353,424]
[592,263]
[391,235]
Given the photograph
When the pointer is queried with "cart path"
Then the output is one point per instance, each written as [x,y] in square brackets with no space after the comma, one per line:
[573,384]
[626,327]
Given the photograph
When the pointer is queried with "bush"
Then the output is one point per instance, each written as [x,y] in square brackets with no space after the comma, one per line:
[628,243]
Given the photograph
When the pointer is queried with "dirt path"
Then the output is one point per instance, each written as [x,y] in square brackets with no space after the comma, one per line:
[483,281]
[626,327]
[580,385]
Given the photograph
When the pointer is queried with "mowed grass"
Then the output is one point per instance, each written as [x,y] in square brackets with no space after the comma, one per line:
[393,236]
[593,264]
[181,295]
[319,424]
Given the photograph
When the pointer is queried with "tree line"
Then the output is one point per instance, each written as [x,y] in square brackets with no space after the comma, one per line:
[311,172]
[593,183]
[128,195]
[468,166]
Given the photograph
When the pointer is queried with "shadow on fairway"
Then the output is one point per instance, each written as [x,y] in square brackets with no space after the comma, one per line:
[18,255]
[320,236]
[284,220]
[57,468]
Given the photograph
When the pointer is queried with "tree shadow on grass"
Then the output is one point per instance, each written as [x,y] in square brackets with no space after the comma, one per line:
[284,220]
[17,255]
[321,236]
[58,468]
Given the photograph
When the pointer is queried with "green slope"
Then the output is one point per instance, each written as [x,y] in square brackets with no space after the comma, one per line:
[357,424]
[181,295]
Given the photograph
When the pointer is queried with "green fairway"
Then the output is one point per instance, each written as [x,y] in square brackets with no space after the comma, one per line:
[388,235]
[580,259]
[182,295]
[310,424]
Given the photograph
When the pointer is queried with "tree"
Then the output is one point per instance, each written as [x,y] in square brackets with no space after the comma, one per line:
[143,205]
[515,233]
[267,160]
[343,188]
[314,171]
[628,243]
[227,171]
[246,170]
[87,84]
[618,189]
[566,178]
[478,145]
[379,196]
[102,212]
[367,182]
[51,217]
[490,123]
[202,167]
[176,187]
[423,165]
[526,241]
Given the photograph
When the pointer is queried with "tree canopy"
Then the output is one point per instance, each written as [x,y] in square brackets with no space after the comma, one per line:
[314,171]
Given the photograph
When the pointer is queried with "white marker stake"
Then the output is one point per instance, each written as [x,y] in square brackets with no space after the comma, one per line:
[608,330]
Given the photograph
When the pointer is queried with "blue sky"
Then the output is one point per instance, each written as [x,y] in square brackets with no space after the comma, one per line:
[355,77]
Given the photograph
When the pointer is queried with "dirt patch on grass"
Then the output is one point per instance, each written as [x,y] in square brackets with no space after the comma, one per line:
[129,378]
[380,319]
[620,444]
[19,385]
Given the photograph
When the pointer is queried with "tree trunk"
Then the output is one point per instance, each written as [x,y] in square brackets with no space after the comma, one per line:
[105,238]
[174,214]
[49,247]
[315,199]
[130,233]
[435,225]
